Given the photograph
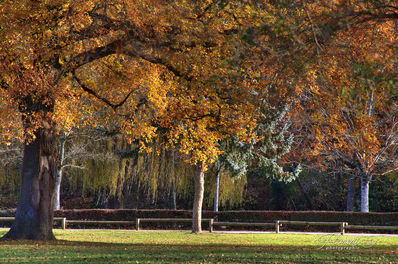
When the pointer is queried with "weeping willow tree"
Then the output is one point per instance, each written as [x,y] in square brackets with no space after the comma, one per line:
[111,168]
[91,164]
[158,173]
[161,174]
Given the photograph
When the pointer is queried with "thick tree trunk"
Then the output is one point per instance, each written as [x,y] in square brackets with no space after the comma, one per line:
[365,180]
[217,190]
[34,216]
[198,199]
[350,193]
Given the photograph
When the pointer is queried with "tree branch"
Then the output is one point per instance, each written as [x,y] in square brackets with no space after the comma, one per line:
[92,55]
[73,166]
[103,99]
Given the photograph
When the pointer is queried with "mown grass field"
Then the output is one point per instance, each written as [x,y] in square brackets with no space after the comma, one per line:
[121,246]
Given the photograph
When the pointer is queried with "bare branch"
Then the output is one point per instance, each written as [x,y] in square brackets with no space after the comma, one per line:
[73,166]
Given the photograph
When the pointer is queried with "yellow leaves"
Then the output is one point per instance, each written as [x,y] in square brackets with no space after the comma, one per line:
[197,142]
[10,125]
[311,76]
[219,68]
[195,124]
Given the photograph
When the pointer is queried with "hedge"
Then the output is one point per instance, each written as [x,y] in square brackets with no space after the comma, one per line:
[353,218]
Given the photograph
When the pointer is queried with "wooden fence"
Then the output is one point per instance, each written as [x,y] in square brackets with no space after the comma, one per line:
[343,226]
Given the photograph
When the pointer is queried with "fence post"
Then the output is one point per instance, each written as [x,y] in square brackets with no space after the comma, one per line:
[137,224]
[211,225]
[63,223]
[342,228]
[277,226]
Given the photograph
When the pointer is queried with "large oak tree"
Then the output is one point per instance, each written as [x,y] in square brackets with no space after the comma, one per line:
[136,65]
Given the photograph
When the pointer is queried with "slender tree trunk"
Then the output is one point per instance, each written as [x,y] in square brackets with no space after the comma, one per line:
[57,190]
[173,186]
[34,216]
[366,177]
[365,180]
[350,193]
[173,196]
[198,199]
[217,190]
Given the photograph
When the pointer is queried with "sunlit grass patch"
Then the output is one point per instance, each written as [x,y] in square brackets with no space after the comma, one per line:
[125,246]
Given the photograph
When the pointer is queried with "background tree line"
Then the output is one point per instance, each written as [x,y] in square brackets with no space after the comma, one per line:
[101,170]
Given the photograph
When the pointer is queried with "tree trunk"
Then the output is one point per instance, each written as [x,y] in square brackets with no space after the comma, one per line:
[365,180]
[34,216]
[366,177]
[199,176]
[173,186]
[217,190]
[57,190]
[350,193]
[173,196]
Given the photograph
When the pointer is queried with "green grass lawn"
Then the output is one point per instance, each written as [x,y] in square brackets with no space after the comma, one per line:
[121,246]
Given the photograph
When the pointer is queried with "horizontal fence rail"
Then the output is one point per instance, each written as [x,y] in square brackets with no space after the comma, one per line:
[310,223]
[11,218]
[342,225]
[277,224]
[95,222]
[364,227]
[140,220]
[242,224]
